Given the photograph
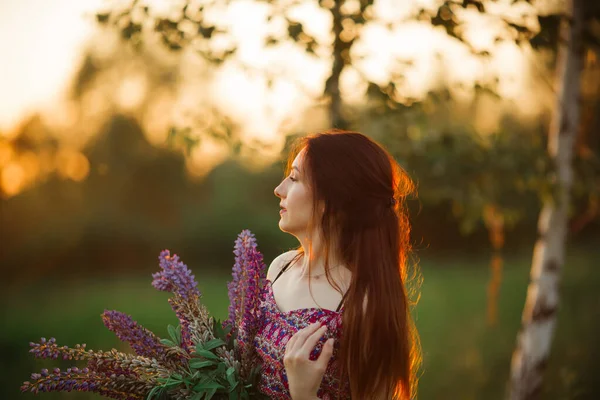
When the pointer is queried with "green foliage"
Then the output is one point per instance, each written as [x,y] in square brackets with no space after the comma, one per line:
[473,172]
[208,377]
[175,334]
[186,26]
[452,163]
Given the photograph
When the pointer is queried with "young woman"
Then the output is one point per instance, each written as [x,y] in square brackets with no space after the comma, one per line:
[343,199]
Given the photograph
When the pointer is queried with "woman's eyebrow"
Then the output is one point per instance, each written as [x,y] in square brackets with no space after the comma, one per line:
[296,168]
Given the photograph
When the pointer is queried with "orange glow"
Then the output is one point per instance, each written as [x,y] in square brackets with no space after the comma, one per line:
[203,158]
[6,152]
[31,165]
[263,109]
[43,41]
[12,179]
[131,92]
[72,165]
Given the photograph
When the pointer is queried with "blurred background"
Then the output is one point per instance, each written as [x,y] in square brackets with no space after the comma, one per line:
[128,127]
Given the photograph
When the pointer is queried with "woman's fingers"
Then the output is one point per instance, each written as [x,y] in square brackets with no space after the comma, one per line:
[300,337]
[312,339]
[305,333]
[290,344]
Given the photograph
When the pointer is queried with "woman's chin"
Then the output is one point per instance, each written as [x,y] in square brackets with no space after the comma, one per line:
[283,226]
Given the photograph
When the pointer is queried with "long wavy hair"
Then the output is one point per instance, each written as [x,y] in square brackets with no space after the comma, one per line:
[361,191]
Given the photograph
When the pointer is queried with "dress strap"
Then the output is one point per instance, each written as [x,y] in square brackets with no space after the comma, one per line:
[285,267]
[341,302]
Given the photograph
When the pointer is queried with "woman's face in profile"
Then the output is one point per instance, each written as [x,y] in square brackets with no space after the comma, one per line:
[296,199]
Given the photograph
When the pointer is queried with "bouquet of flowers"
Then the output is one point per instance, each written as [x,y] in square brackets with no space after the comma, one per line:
[202,359]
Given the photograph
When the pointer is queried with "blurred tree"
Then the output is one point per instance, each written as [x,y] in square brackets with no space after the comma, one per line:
[539,316]
[194,25]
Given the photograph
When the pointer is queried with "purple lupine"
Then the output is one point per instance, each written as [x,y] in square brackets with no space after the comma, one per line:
[73,379]
[111,367]
[49,349]
[179,306]
[125,376]
[250,318]
[248,278]
[175,277]
[244,295]
[111,374]
[142,341]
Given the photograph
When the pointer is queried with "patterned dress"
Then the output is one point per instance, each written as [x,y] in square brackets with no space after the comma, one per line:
[276,328]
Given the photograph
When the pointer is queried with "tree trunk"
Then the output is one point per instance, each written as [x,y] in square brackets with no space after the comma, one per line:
[332,86]
[539,315]
[494,221]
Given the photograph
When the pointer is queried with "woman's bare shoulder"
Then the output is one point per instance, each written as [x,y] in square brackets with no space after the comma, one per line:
[278,263]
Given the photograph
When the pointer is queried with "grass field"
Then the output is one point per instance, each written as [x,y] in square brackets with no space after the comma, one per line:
[463,357]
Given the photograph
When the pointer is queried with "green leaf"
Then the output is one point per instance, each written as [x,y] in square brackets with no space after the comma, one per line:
[167,342]
[197,364]
[207,354]
[208,385]
[178,333]
[218,329]
[221,332]
[233,387]
[213,343]
[232,379]
[173,333]
[211,393]
[221,368]
[171,384]
[233,395]
[153,392]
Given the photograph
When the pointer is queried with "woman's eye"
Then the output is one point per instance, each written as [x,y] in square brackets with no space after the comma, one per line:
[292,179]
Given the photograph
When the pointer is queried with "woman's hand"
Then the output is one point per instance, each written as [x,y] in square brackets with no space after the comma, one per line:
[305,375]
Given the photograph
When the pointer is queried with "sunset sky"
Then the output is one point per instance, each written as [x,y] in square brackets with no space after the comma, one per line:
[32,31]
[41,44]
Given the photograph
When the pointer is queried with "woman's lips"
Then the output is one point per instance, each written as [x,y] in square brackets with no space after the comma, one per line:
[282,211]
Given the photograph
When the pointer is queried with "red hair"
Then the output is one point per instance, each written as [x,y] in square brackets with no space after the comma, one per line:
[355,179]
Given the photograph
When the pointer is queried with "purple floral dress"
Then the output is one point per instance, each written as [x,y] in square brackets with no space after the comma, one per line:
[274,331]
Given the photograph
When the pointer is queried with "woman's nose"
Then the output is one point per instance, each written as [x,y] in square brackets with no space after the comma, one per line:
[276,191]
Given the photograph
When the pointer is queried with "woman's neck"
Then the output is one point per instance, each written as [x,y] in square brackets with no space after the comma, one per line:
[317,260]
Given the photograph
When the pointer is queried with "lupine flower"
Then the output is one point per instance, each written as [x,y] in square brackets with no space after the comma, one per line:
[109,385]
[244,295]
[112,374]
[120,375]
[248,278]
[144,365]
[142,341]
[175,277]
